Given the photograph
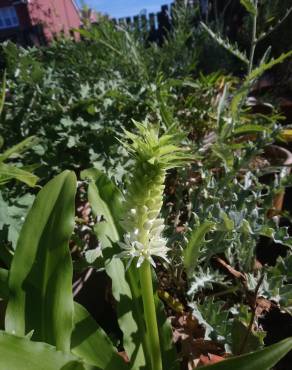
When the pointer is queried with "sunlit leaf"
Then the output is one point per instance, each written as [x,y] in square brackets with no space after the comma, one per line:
[40,277]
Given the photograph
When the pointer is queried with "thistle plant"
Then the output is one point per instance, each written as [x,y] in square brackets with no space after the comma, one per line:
[153,156]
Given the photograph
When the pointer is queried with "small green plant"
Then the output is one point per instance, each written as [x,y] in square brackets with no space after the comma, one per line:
[44,325]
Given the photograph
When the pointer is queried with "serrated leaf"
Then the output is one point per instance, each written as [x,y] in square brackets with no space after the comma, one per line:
[40,277]
[218,319]
[257,72]
[239,332]
[226,44]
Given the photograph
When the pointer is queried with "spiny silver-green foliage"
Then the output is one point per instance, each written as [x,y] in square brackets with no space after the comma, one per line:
[233,49]
[277,282]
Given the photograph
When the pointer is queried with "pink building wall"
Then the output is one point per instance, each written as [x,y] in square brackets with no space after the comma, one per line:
[56,16]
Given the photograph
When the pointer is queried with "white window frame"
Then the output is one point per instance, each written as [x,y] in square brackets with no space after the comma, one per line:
[8,18]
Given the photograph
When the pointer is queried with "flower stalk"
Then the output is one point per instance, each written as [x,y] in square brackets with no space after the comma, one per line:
[150,315]
[143,227]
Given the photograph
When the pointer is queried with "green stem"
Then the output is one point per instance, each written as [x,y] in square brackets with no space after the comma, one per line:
[150,315]
[135,289]
[254,38]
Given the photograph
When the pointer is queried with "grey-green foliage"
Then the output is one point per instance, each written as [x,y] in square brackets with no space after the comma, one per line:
[68,326]
[12,215]
[277,283]
[229,195]
[76,97]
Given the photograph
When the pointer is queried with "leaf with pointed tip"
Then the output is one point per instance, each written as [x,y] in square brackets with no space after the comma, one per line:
[233,49]
[242,93]
[249,6]
[108,204]
[264,359]
[8,173]
[40,277]
[196,240]
[19,148]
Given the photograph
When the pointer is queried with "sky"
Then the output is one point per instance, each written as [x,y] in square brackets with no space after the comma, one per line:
[124,8]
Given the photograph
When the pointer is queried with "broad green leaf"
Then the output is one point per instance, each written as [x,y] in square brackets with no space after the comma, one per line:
[20,353]
[192,250]
[105,200]
[249,6]
[4,283]
[107,204]
[125,283]
[91,343]
[40,278]
[129,310]
[8,172]
[264,359]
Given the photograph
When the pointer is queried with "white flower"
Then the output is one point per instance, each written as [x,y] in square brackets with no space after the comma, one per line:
[132,248]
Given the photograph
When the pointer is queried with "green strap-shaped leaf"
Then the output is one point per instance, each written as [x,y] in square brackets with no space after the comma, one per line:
[40,278]
[8,173]
[130,313]
[90,342]
[196,240]
[249,129]
[264,359]
[19,148]
[17,353]
[105,199]
[249,6]
[4,283]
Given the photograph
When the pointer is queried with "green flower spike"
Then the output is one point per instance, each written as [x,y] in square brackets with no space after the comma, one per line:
[153,155]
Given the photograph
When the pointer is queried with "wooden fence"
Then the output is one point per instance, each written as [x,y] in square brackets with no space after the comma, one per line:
[156,25]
